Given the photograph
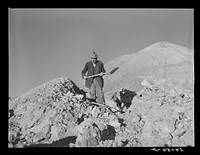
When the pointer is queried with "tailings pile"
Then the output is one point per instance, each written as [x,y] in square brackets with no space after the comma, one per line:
[59,114]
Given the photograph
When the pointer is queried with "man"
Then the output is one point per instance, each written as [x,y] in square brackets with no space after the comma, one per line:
[95,84]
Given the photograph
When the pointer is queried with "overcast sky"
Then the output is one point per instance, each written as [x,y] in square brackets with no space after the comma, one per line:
[45,44]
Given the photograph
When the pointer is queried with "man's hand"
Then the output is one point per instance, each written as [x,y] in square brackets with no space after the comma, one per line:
[101,74]
[84,77]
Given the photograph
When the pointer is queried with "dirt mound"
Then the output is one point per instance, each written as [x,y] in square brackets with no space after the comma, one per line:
[161,60]
[58,114]
[46,113]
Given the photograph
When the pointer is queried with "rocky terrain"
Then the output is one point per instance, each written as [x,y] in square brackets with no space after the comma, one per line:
[149,102]
[58,113]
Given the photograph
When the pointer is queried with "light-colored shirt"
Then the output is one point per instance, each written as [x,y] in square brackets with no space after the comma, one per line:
[94,64]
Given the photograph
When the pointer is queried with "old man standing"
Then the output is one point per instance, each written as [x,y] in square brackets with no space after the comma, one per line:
[95,84]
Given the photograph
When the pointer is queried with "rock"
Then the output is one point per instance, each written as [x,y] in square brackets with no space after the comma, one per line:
[79,97]
[95,112]
[89,134]
[110,103]
[114,123]
[54,133]
[145,83]
[135,119]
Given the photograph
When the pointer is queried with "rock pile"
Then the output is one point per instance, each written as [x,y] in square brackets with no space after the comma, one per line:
[46,114]
[165,116]
[59,110]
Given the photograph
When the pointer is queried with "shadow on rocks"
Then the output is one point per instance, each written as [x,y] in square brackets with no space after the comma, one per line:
[108,134]
[11,113]
[126,97]
[60,143]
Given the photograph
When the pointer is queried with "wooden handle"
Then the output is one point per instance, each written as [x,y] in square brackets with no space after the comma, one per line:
[95,75]
[111,72]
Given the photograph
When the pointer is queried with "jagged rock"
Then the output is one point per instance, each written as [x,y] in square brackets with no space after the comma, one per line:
[95,112]
[54,133]
[114,123]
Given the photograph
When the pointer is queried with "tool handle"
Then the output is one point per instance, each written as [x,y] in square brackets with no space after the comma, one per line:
[95,75]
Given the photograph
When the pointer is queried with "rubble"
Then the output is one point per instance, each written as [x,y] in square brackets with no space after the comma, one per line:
[59,114]
[88,135]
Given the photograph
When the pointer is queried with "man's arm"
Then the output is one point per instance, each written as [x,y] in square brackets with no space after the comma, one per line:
[103,69]
[85,69]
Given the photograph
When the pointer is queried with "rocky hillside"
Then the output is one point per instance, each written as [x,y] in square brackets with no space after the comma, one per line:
[149,103]
[59,114]
[161,62]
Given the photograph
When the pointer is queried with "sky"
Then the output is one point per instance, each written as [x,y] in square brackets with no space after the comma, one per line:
[46,44]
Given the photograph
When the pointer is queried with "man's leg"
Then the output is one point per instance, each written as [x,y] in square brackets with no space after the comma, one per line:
[93,91]
[99,92]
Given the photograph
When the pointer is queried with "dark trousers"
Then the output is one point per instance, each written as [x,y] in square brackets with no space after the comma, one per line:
[96,92]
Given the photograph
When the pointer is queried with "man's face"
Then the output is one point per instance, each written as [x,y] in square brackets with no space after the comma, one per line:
[94,61]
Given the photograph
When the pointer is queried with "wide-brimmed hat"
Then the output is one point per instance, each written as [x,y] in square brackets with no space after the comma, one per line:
[93,55]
